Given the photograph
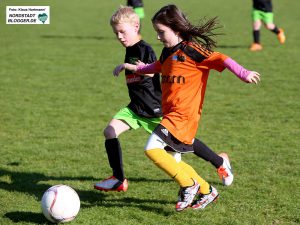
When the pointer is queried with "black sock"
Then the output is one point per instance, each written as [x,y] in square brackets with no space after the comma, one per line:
[114,153]
[275,30]
[204,152]
[256,36]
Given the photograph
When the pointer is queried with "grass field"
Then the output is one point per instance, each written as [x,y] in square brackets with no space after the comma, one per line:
[57,94]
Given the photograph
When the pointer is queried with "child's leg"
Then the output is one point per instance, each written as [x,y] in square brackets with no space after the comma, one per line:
[114,153]
[188,179]
[256,31]
[272,27]
[167,163]
[113,148]
[181,172]
[268,20]
[204,186]
[256,46]
[269,24]
[204,152]
[256,25]
[222,165]
[155,151]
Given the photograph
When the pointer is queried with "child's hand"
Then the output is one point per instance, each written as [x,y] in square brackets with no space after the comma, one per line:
[253,77]
[118,69]
[124,66]
[139,63]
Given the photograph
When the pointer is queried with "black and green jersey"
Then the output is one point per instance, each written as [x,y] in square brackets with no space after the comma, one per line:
[135,3]
[144,91]
[263,5]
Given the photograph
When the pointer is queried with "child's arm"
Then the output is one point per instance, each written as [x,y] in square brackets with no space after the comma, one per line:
[124,66]
[241,72]
[140,68]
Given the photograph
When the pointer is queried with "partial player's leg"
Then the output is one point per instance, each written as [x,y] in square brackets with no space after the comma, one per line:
[256,25]
[269,24]
[117,182]
[221,161]
[188,179]
[124,120]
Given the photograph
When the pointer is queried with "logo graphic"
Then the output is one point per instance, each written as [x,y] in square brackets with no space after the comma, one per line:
[180,58]
[28,15]
[132,78]
[43,17]
[133,60]
[156,110]
[173,79]
[165,131]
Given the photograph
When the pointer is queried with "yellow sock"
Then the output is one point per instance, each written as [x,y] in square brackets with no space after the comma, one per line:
[168,164]
[204,186]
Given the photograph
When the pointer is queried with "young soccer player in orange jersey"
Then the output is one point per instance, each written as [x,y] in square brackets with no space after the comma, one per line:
[144,109]
[184,64]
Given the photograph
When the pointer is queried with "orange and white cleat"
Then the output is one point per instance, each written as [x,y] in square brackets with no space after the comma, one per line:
[186,196]
[281,36]
[112,184]
[201,200]
[255,47]
[225,171]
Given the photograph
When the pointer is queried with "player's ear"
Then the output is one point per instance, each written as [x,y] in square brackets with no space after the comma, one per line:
[137,27]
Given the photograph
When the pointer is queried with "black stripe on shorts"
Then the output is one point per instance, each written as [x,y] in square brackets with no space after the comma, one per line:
[173,144]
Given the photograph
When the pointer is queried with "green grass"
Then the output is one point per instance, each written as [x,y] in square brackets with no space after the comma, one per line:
[58,93]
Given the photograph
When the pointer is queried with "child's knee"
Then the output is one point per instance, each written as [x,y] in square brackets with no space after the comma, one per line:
[256,25]
[109,132]
[270,26]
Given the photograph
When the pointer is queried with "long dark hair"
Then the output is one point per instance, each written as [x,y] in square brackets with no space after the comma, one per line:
[173,18]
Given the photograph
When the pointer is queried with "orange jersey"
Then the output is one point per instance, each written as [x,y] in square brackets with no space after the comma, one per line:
[183,86]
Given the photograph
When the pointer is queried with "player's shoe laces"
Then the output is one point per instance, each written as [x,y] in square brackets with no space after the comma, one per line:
[186,196]
[112,184]
[255,47]
[201,200]
[224,171]
[281,36]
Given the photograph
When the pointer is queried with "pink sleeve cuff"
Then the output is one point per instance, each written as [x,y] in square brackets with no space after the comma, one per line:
[237,69]
[148,68]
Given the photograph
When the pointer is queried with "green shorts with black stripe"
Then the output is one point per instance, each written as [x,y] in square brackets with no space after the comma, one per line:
[135,121]
[266,17]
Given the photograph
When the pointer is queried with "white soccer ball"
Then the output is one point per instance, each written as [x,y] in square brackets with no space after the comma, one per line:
[60,204]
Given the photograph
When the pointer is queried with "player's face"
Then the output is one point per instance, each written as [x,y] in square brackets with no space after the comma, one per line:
[166,35]
[126,33]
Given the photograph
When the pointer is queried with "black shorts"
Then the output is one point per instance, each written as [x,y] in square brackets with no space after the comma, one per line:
[173,144]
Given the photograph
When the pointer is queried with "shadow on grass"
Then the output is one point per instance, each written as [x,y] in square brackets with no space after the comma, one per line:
[27,217]
[156,206]
[38,218]
[30,183]
[146,180]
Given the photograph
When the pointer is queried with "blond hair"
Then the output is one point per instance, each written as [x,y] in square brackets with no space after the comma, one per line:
[124,14]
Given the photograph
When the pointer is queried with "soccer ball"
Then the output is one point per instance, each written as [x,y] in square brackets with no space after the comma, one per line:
[60,204]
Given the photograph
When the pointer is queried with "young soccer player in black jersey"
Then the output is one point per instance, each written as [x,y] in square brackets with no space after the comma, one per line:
[144,109]
[263,12]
